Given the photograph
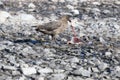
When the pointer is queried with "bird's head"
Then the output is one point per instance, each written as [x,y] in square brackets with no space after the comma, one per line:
[66,17]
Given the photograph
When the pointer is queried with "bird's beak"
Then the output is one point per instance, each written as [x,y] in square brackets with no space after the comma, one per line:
[37,29]
[69,20]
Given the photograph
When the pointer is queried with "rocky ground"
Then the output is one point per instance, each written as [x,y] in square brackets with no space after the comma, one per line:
[25,57]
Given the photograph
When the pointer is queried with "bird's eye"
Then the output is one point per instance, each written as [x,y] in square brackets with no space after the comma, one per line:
[37,29]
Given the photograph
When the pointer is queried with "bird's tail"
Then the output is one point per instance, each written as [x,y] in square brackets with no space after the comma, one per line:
[33,26]
[41,29]
[44,31]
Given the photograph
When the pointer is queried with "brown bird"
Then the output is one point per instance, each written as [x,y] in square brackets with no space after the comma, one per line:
[55,27]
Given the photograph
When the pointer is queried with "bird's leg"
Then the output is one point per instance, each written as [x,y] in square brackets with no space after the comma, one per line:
[75,39]
[55,40]
[52,40]
[53,37]
[73,30]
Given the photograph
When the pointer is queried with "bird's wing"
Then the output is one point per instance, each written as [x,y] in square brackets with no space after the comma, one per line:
[52,25]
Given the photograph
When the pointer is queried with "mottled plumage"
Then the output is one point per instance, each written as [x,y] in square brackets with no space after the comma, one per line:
[55,27]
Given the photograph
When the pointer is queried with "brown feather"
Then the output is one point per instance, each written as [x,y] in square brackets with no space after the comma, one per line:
[55,27]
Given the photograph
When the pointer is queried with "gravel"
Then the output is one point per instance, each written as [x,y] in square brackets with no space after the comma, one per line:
[29,55]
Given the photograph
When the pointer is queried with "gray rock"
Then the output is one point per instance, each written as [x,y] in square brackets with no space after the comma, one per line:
[28,70]
[60,76]
[52,65]
[117,68]
[83,1]
[102,66]
[73,2]
[68,67]
[52,18]
[102,40]
[117,51]
[70,7]
[16,73]
[74,60]
[45,70]
[118,74]
[95,61]
[49,53]
[64,40]
[82,72]
[6,42]
[2,77]
[22,78]
[96,3]
[95,10]
[2,46]
[81,34]
[108,54]
[54,0]
[75,12]
[117,2]
[73,65]
[23,64]
[9,78]
[6,67]
[89,79]
[31,5]
[1,3]
[13,61]
[41,78]
[59,70]
[77,78]
[62,1]
[95,69]
[53,50]
[70,78]
[117,26]
[25,18]
[28,50]
[106,12]
[4,16]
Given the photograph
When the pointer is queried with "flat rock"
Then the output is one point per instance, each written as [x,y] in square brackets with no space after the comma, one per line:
[82,72]
[25,18]
[74,60]
[31,5]
[59,70]
[94,69]
[6,67]
[41,78]
[75,12]
[60,76]
[45,70]
[15,73]
[117,2]
[96,3]
[108,54]
[102,66]
[28,70]
[22,78]
[49,53]
[28,50]
[117,26]
[3,16]
[70,7]
[2,46]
